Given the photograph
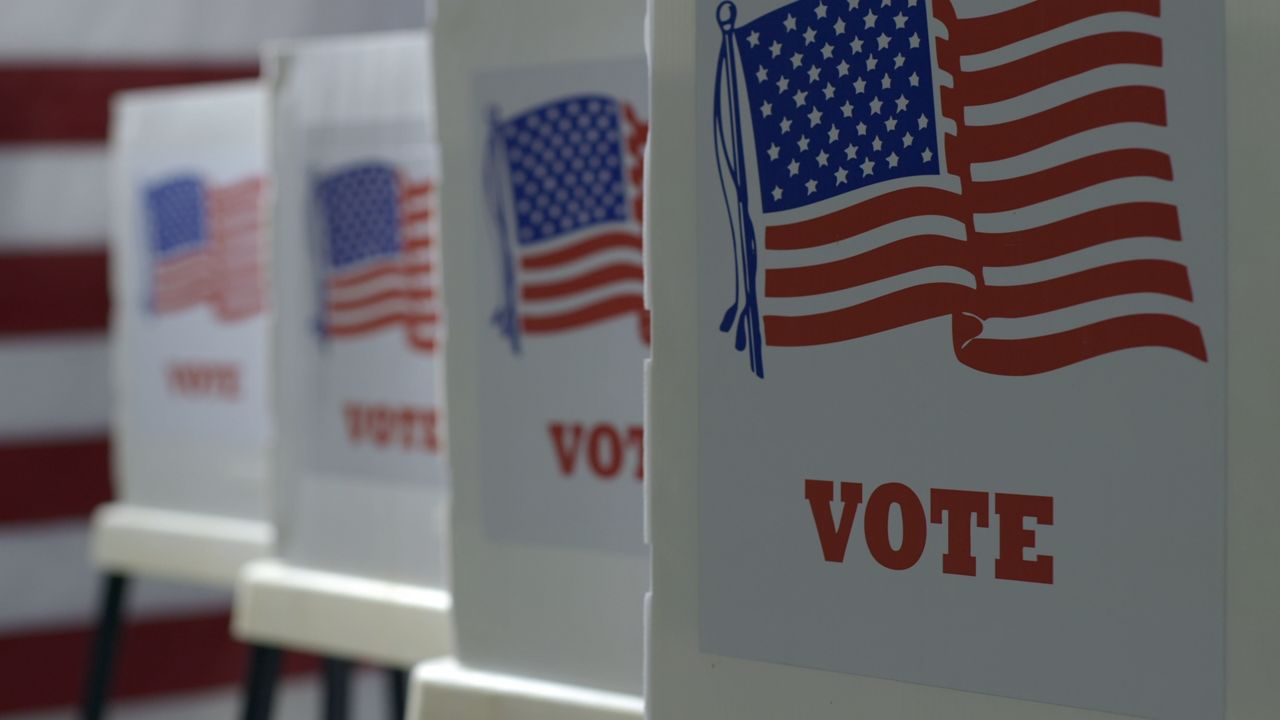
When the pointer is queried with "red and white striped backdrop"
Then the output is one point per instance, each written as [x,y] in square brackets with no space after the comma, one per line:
[60,61]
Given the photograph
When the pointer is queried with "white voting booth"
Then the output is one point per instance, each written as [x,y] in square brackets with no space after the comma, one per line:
[543,118]
[189,323]
[360,490]
[963,360]
[191,428]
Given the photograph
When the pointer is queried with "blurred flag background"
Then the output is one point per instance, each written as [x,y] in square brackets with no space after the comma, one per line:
[60,62]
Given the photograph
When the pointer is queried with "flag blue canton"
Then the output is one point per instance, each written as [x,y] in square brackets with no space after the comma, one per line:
[361,209]
[566,167]
[177,214]
[841,97]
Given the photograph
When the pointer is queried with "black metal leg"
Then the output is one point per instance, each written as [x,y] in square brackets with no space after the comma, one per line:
[337,688]
[106,642]
[398,685]
[260,682]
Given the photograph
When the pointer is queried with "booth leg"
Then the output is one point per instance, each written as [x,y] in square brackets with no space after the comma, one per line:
[337,689]
[106,642]
[260,682]
[398,685]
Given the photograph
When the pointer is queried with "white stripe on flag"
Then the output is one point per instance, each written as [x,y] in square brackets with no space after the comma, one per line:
[53,195]
[54,385]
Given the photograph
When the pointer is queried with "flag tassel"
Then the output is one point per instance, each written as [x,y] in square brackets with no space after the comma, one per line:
[506,317]
[731,156]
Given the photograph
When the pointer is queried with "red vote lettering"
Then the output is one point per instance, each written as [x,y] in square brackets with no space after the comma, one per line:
[606,449]
[834,540]
[1015,538]
[962,509]
[961,506]
[606,452]
[406,428]
[635,437]
[914,528]
[567,455]
[219,381]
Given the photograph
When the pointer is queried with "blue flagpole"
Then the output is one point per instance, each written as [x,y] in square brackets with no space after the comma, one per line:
[748,333]
[506,316]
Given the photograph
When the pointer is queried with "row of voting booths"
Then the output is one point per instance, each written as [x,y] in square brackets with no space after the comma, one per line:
[608,359]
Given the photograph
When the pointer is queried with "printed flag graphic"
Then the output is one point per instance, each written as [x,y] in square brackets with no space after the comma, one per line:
[206,247]
[377,251]
[1003,170]
[565,182]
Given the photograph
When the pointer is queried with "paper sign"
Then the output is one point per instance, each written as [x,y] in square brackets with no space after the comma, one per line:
[562,364]
[377,323]
[198,351]
[962,349]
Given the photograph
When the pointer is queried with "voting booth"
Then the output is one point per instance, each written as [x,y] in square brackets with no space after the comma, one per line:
[360,487]
[190,306]
[543,120]
[962,360]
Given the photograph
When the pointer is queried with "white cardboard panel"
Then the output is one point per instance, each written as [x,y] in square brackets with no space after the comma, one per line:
[549,571]
[686,678]
[360,480]
[189,299]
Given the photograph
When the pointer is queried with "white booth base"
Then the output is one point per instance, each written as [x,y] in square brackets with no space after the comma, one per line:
[338,615]
[183,546]
[444,690]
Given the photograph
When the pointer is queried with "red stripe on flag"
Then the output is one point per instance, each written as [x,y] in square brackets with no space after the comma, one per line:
[1159,277]
[864,217]
[1097,227]
[1031,356]
[983,34]
[408,319]
[158,656]
[1025,190]
[53,291]
[69,102]
[903,256]
[596,312]
[391,267]
[384,296]
[887,312]
[607,275]
[595,244]
[1133,104]
[1059,63]
[53,480]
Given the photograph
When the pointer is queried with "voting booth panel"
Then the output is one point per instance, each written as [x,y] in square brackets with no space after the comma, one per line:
[191,428]
[360,481]
[190,299]
[543,117]
[939,391]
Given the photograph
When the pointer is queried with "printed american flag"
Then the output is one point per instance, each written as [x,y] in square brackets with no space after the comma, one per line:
[1002,169]
[206,247]
[378,250]
[573,174]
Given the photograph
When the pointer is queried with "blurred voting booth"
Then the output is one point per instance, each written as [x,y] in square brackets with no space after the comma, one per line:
[360,487]
[190,308]
[543,121]
[961,347]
